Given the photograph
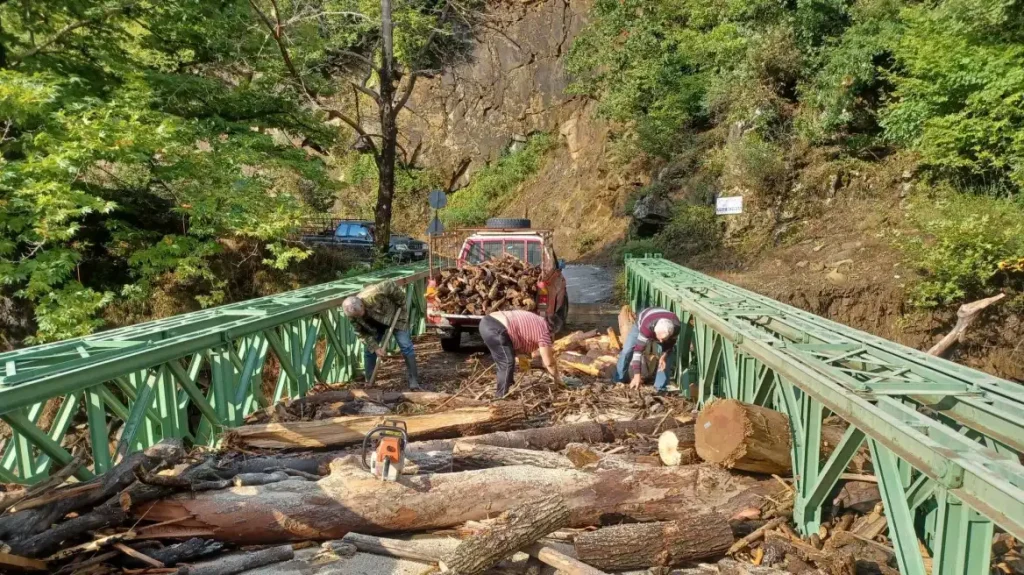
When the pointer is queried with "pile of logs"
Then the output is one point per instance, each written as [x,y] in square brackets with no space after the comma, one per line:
[586,498]
[504,283]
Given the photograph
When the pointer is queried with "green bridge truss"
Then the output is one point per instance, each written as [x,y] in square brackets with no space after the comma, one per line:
[945,440]
[188,376]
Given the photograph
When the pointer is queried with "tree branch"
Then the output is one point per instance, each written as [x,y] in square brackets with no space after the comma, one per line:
[372,94]
[69,29]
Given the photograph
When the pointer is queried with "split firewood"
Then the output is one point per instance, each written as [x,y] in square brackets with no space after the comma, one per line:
[516,528]
[613,340]
[643,545]
[10,561]
[422,551]
[45,486]
[676,448]
[871,525]
[627,320]
[505,282]
[339,431]
[573,341]
[742,436]
[350,499]
[239,562]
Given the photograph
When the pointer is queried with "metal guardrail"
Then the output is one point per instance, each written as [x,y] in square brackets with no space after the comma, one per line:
[945,440]
[187,376]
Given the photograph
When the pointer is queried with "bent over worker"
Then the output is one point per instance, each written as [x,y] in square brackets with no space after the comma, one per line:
[508,333]
[662,326]
[371,313]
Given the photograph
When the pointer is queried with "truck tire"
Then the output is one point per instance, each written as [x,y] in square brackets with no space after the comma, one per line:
[452,342]
[508,223]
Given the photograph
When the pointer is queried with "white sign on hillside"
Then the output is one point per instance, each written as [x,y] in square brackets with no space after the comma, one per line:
[729,206]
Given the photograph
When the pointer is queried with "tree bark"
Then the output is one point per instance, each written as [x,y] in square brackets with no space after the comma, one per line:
[565,564]
[584,456]
[737,435]
[558,437]
[389,136]
[516,528]
[339,431]
[350,499]
[239,562]
[675,449]
[424,552]
[642,545]
[306,405]
[467,456]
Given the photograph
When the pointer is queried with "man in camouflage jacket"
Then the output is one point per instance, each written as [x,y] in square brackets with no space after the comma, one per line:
[371,313]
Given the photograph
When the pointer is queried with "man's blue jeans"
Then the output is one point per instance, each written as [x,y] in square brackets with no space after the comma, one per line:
[622,369]
[404,344]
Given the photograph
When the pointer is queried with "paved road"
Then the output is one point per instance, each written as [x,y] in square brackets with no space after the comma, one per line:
[588,284]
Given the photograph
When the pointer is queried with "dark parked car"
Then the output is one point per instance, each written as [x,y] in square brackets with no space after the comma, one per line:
[357,237]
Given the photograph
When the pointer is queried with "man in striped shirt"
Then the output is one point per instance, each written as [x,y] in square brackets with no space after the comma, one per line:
[658,324]
[508,333]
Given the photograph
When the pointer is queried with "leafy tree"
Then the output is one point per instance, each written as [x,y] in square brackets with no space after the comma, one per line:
[358,50]
[135,147]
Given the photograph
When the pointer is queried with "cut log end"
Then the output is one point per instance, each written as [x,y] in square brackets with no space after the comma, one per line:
[741,436]
[676,449]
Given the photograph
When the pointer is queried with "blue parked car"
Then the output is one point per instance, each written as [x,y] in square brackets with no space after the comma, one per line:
[357,236]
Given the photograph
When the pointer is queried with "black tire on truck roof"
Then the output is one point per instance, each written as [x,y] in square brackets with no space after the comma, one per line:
[508,223]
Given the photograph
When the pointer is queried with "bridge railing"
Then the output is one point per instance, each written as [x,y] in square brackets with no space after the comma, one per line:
[187,376]
[945,440]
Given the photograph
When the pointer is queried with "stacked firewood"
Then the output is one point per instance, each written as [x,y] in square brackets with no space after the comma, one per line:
[503,283]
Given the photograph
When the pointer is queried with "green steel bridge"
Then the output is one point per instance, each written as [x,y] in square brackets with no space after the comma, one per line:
[945,440]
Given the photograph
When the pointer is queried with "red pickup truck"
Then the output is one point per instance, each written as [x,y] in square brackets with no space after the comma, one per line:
[473,246]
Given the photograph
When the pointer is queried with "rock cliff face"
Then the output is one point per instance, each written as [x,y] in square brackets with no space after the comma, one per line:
[514,85]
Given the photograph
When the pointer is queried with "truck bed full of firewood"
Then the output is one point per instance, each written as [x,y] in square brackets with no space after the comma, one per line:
[503,283]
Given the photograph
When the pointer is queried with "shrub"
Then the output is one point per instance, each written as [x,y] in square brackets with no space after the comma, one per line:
[966,238]
[493,185]
[692,229]
[639,248]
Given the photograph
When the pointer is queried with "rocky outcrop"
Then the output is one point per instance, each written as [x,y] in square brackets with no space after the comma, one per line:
[512,85]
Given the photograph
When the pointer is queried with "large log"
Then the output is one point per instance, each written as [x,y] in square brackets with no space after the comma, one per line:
[467,456]
[306,404]
[558,437]
[667,543]
[350,499]
[738,435]
[339,431]
[514,529]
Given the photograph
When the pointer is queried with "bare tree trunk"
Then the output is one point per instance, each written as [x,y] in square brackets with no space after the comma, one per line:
[965,316]
[350,499]
[389,136]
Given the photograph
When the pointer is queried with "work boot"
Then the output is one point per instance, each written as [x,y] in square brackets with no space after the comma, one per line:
[410,371]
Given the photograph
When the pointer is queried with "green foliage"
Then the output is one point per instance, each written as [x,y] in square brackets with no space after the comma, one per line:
[966,238]
[692,229]
[639,248]
[959,97]
[492,186]
[133,149]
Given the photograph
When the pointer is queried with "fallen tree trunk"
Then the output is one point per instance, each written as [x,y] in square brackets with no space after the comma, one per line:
[467,456]
[338,431]
[565,564]
[965,316]
[558,437]
[424,552]
[349,499]
[306,404]
[642,545]
[739,435]
[516,528]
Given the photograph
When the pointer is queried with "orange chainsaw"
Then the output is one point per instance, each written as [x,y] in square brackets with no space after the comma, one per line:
[386,445]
